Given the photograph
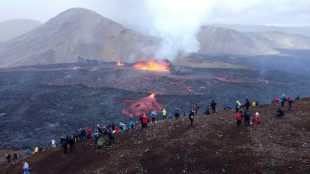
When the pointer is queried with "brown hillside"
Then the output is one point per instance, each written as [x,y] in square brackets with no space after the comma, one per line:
[213,145]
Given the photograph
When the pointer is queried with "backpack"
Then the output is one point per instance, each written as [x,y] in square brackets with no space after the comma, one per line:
[238,117]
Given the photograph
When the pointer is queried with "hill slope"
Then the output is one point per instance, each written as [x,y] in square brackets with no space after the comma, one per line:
[16,27]
[75,32]
[213,145]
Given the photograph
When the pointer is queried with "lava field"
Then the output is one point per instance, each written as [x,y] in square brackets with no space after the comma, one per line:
[40,103]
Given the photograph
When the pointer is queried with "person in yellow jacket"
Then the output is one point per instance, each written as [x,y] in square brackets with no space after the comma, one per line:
[36,150]
[164,114]
[237,106]
[253,104]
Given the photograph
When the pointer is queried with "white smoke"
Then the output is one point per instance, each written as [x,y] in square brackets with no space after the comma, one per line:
[177,23]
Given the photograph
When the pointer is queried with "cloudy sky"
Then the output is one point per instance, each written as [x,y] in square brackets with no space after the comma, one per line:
[140,12]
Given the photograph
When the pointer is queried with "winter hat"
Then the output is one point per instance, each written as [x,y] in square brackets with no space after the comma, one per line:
[256,114]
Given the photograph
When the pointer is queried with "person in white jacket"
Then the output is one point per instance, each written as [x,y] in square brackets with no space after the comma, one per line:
[26,168]
[54,143]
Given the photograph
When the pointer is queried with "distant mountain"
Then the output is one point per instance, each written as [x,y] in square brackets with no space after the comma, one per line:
[73,33]
[217,40]
[16,27]
[305,31]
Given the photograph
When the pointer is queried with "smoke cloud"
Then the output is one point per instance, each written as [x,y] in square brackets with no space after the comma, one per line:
[177,24]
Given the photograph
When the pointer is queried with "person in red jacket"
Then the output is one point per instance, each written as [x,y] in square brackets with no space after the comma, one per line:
[136,124]
[89,133]
[196,108]
[144,121]
[117,129]
[239,118]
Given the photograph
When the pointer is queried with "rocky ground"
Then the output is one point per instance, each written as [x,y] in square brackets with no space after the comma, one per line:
[213,145]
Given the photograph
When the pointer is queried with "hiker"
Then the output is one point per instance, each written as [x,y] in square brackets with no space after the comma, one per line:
[177,113]
[71,143]
[280,111]
[144,122]
[283,99]
[256,119]
[164,113]
[213,104]
[290,102]
[247,104]
[113,126]
[14,156]
[131,125]
[275,100]
[89,133]
[256,103]
[196,108]
[191,116]
[153,115]
[169,115]
[54,143]
[117,129]
[247,117]
[227,107]
[8,157]
[298,97]
[64,144]
[237,106]
[136,124]
[121,124]
[111,137]
[36,150]
[239,118]
[253,104]
[26,168]
[124,128]
[84,134]
[141,120]
[207,112]
[27,152]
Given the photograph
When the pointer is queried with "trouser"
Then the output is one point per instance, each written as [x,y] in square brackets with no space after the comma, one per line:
[192,122]
[145,125]
[72,147]
[164,117]
[177,116]
[196,112]
[153,119]
[111,140]
[65,149]
[289,107]
[237,110]
[213,110]
[238,123]
[246,122]
[282,104]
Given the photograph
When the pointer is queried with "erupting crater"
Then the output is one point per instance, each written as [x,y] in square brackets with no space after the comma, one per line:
[152,65]
[120,64]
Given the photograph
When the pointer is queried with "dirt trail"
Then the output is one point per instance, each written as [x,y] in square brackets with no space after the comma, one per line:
[213,145]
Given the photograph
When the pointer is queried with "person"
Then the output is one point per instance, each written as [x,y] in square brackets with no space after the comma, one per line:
[131,125]
[84,134]
[227,107]
[153,114]
[283,99]
[191,116]
[136,124]
[247,117]
[121,124]
[237,106]
[113,126]
[280,111]
[256,103]
[14,156]
[298,97]
[54,143]
[111,137]
[26,168]
[124,127]
[64,144]
[141,120]
[177,113]
[8,158]
[239,118]
[117,129]
[27,152]
[275,100]
[71,143]
[169,115]
[144,122]
[213,104]
[256,119]
[89,133]
[253,104]
[290,102]
[247,104]
[164,113]
[36,150]
[207,112]
[196,108]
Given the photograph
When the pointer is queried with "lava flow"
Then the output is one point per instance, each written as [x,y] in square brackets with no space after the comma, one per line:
[151,65]
[142,106]
[120,64]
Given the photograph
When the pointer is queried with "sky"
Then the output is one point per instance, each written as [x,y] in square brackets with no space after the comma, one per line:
[144,12]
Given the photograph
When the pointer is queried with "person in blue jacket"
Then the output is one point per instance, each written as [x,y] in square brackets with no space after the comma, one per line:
[153,115]
[283,99]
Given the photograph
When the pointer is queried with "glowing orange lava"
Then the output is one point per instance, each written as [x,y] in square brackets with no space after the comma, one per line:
[120,64]
[151,65]
[152,95]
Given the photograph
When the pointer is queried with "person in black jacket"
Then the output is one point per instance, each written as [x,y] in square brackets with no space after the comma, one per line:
[213,104]
[247,104]
[71,143]
[280,111]
[191,116]
[247,116]
[64,144]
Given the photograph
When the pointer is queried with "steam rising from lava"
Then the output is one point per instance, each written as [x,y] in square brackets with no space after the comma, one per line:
[151,65]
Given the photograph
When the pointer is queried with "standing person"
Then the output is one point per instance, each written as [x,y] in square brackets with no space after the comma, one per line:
[54,143]
[64,144]
[153,114]
[247,104]
[89,133]
[290,102]
[191,117]
[141,120]
[169,116]
[144,121]
[84,134]
[113,126]
[177,113]
[131,125]
[213,104]
[164,113]
[111,137]
[247,117]
[8,157]
[237,106]
[283,99]
[239,118]
[26,168]
[71,143]
[196,108]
